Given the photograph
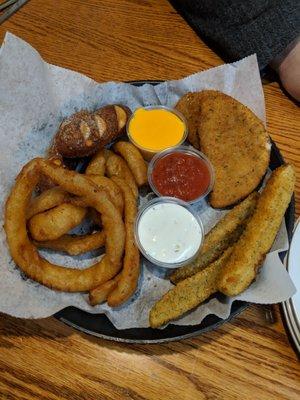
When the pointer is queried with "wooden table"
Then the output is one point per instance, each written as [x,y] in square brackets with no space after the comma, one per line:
[245,359]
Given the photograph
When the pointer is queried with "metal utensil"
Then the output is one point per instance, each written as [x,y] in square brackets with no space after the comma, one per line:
[291,307]
[10,7]
[6,4]
[269,314]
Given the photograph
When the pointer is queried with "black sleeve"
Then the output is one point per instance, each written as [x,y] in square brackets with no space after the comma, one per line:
[237,28]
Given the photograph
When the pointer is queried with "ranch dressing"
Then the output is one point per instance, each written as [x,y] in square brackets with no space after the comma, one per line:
[169,233]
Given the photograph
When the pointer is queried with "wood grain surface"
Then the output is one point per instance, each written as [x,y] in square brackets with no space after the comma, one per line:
[248,358]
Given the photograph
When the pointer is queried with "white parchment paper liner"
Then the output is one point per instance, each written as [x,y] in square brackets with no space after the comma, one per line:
[34,98]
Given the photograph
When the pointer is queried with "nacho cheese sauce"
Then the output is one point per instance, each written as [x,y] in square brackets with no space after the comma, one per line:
[156,129]
[169,233]
[181,175]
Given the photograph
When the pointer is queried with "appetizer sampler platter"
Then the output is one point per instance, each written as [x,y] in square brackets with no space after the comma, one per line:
[99,325]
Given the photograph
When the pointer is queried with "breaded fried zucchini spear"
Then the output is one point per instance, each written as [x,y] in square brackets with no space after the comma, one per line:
[188,294]
[251,249]
[224,234]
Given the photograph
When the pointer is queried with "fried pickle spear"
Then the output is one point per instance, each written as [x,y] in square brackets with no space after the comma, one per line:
[25,254]
[116,166]
[57,221]
[130,273]
[257,239]
[75,244]
[135,161]
[223,234]
[188,294]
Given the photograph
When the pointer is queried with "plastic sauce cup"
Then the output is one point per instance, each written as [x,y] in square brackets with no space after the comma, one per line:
[168,232]
[186,174]
[156,128]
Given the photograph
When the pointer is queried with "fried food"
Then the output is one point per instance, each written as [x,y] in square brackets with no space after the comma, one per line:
[99,294]
[45,183]
[84,133]
[116,166]
[135,161]
[48,199]
[130,273]
[251,249]
[75,244]
[236,143]
[109,186]
[188,294]
[222,235]
[63,217]
[25,254]
[97,164]
[189,106]
[234,140]
[52,224]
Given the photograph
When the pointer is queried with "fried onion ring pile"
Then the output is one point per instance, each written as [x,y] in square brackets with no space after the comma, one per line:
[25,253]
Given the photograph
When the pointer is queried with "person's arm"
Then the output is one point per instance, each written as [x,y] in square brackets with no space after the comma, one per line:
[287,65]
[238,28]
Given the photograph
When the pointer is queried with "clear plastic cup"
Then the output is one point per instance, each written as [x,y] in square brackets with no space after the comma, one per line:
[197,233]
[148,153]
[184,150]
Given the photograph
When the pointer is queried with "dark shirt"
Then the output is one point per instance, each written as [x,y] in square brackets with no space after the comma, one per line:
[238,28]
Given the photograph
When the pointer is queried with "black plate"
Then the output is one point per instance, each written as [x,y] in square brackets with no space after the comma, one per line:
[99,325]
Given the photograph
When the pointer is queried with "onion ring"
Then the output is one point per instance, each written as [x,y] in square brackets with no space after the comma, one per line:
[25,254]
[56,217]
[112,190]
[75,244]
[48,199]
[97,164]
[53,223]
[135,161]
[116,166]
[130,273]
[100,293]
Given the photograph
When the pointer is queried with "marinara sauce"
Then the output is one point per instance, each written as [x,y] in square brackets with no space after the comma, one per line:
[181,175]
